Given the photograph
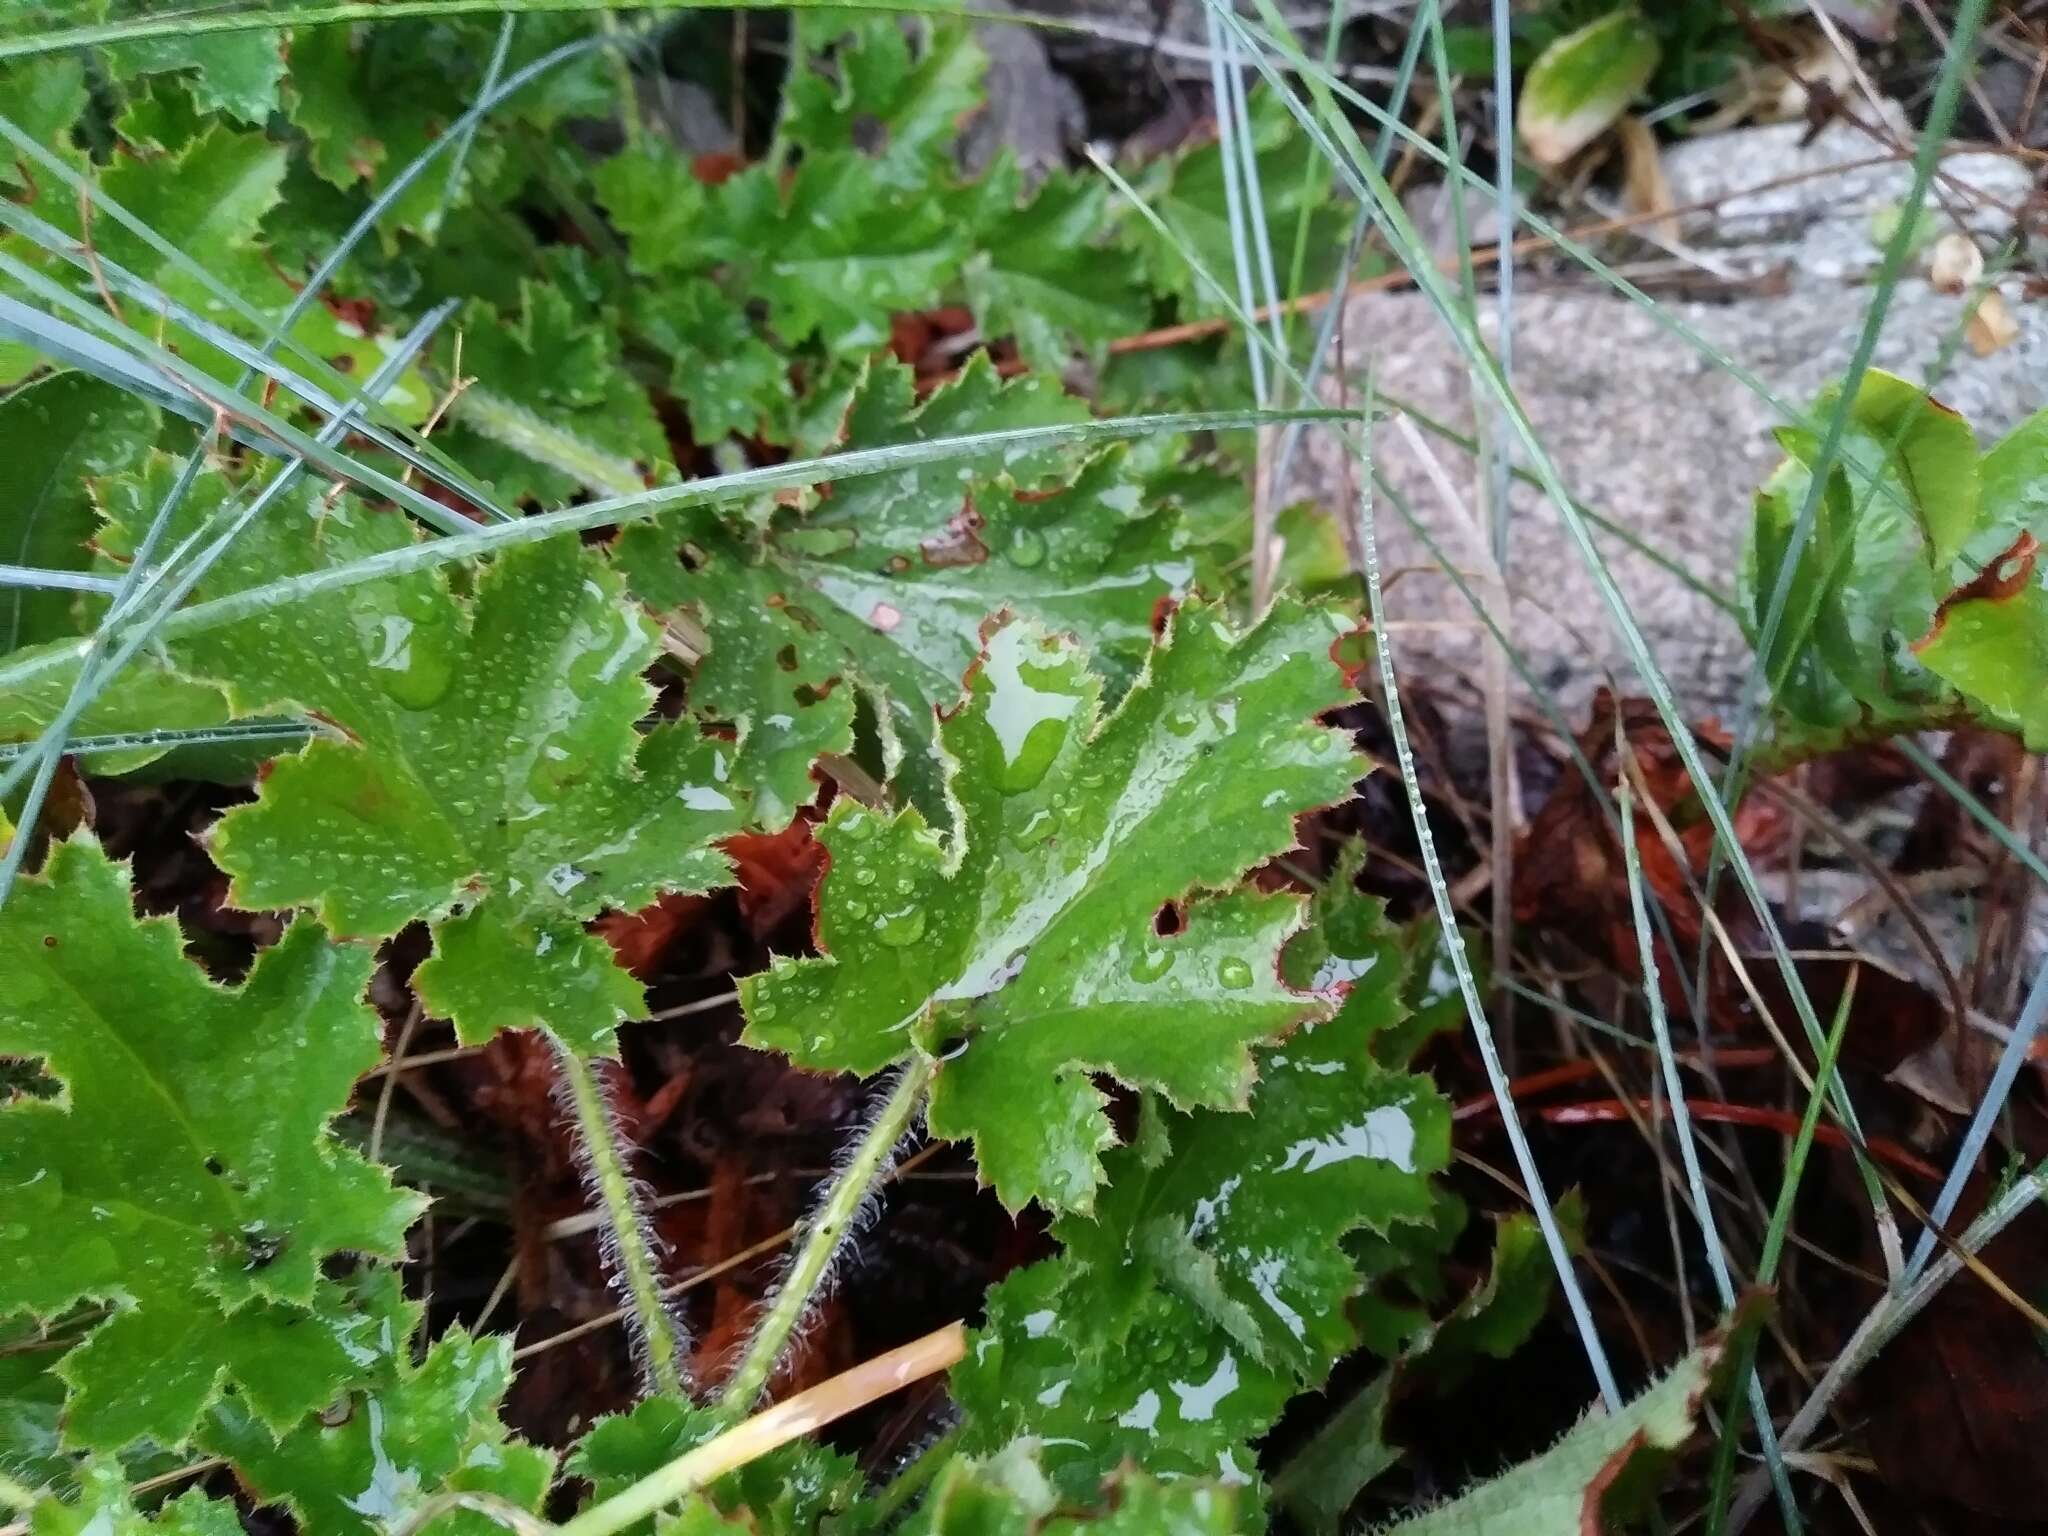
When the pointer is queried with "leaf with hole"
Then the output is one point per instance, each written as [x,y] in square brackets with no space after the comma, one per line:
[1024,947]
[882,584]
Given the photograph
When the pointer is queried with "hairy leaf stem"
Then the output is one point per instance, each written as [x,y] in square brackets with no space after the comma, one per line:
[864,1168]
[629,1250]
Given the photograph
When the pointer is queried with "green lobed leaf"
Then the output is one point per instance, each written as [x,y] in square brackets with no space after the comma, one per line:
[53,434]
[104,1507]
[235,74]
[1024,946]
[403,1433]
[1162,1388]
[834,248]
[1043,276]
[1215,1278]
[733,383]
[902,107]
[369,100]
[493,783]
[1247,1219]
[651,197]
[1189,196]
[158,1183]
[553,410]
[883,585]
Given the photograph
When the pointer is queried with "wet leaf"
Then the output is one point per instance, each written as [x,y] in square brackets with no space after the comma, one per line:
[493,783]
[158,1183]
[1009,1495]
[1042,275]
[784,1493]
[1022,948]
[105,1508]
[869,89]
[883,584]
[1599,1472]
[1214,1279]
[403,1433]
[54,434]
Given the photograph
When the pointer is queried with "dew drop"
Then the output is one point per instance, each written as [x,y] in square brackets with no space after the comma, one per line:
[764,1011]
[1234,974]
[902,927]
[1152,963]
[1183,722]
[864,876]
[1027,547]
[1039,826]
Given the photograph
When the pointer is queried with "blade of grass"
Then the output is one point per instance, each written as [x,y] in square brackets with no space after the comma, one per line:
[743,484]
[1357,167]
[1898,249]
[104,655]
[2003,1076]
[1884,1321]
[1629,785]
[1454,944]
[1767,1275]
[234,733]
[38,579]
[258,362]
[260,427]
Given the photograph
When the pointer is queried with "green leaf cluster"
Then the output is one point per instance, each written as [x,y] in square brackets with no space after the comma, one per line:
[1915,602]
[1066,764]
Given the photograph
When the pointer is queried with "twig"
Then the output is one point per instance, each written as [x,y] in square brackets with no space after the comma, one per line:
[1196,330]
[390,1082]
[1885,1320]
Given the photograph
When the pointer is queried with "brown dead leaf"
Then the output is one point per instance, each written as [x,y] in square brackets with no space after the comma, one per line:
[1571,881]
[1958,1403]
[1991,326]
[1956,265]
[1643,176]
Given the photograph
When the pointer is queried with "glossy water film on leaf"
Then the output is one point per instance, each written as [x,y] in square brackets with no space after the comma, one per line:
[1216,1276]
[1023,947]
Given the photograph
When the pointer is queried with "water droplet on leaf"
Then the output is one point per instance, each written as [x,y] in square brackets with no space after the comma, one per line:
[900,928]
[1152,963]
[1027,547]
